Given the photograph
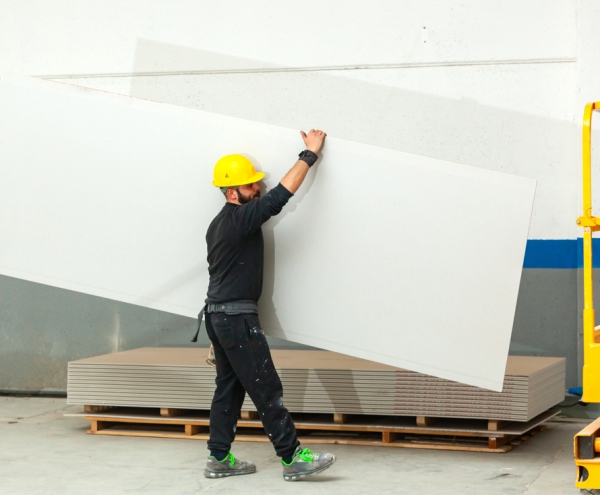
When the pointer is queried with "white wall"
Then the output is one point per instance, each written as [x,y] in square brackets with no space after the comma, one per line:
[74,37]
[520,117]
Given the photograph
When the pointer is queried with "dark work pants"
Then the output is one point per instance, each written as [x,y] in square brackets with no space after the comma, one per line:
[244,364]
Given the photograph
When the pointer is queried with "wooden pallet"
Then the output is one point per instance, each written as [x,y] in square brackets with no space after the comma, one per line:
[378,431]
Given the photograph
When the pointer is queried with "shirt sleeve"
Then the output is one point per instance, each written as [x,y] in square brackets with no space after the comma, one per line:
[250,216]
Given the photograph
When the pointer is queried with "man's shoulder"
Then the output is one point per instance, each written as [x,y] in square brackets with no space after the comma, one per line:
[224,216]
[227,210]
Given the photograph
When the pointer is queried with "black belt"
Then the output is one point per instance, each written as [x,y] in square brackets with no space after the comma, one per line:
[229,308]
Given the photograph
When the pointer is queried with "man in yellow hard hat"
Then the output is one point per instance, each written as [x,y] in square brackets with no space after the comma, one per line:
[243,359]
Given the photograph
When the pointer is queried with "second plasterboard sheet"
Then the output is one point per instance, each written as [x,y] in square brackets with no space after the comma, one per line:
[386,256]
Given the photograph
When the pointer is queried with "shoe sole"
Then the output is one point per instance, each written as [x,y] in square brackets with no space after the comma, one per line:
[297,477]
[224,474]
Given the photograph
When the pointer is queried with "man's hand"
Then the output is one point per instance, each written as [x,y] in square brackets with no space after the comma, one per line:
[294,178]
[314,140]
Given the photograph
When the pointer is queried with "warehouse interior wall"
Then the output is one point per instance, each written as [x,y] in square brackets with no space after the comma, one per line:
[496,85]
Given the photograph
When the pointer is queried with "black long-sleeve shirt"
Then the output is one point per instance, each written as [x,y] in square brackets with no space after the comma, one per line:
[236,247]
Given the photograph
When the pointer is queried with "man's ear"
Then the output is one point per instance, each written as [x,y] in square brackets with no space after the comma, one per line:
[232,194]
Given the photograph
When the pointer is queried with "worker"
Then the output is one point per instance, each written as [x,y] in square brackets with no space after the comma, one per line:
[243,359]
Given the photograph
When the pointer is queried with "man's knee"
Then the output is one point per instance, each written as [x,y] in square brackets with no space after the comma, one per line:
[268,400]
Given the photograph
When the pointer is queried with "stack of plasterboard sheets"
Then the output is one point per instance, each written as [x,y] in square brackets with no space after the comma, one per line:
[317,382]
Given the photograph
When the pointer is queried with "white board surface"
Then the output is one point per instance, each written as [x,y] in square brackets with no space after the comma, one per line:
[386,256]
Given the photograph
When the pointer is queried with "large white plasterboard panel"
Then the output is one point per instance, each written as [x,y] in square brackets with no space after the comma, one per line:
[396,258]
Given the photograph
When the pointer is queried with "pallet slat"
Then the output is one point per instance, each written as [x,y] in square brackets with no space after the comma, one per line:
[329,429]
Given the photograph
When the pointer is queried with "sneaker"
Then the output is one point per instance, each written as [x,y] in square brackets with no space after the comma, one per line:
[305,463]
[229,466]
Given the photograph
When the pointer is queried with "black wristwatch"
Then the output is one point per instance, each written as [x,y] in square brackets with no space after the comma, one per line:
[308,157]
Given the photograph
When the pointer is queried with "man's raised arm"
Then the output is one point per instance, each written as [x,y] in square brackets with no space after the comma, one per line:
[294,178]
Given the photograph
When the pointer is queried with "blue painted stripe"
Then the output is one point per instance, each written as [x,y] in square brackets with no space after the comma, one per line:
[551,253]
[558,253]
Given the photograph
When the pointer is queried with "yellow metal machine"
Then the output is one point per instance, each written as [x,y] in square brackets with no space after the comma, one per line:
[587,441]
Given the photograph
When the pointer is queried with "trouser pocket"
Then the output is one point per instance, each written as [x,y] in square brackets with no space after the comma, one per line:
[225,335]
[247,327]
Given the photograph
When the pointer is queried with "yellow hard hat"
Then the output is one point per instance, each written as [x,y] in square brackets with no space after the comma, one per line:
[235,170]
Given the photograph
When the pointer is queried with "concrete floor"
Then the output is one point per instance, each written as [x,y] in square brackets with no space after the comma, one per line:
[42,452]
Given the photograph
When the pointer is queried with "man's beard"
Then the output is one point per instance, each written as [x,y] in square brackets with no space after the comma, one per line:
[246,199]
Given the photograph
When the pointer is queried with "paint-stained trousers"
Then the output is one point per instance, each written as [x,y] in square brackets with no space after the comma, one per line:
[244,364]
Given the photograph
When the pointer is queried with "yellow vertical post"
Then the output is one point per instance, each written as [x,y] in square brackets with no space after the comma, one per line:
[588,467]
[591,349]
[588,289]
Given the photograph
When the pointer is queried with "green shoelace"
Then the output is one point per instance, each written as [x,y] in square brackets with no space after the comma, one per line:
[306,455]
[230,457]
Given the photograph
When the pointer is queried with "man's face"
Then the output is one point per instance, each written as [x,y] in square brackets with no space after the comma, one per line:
[247,193]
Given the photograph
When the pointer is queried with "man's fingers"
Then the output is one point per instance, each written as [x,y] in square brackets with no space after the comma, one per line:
[313,133]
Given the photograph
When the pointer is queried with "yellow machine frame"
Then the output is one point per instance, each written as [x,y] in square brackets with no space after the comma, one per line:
[587,441]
